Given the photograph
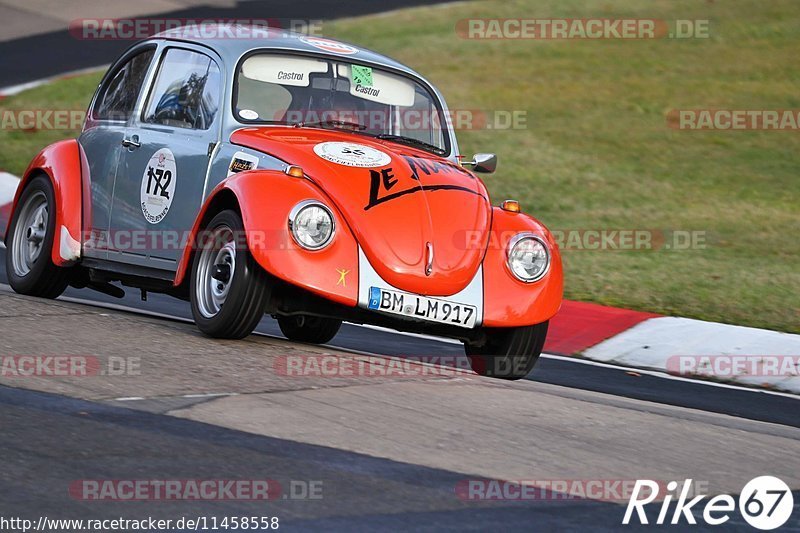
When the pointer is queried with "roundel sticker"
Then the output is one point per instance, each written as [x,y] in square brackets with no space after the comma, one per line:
[327,45]
[352,155]
[158,186]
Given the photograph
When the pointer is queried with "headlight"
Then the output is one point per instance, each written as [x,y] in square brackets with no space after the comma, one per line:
[528,257]
[311,224]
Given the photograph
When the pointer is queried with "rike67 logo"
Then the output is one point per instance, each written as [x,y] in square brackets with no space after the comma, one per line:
[765,503]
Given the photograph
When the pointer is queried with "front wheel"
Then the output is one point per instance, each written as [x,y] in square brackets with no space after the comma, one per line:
[229,289]
[508,353]
[311,329]
[29,265]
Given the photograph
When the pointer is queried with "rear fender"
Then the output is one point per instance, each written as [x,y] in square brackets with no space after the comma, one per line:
[65,164]
[509,302]
[265,198]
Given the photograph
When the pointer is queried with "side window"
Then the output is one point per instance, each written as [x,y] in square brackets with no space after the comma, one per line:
[186,91]
[118,96]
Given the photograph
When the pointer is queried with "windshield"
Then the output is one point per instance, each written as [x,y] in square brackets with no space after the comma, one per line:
[312,91]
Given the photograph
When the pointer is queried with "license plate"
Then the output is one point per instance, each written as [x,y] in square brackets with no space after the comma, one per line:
[422,307]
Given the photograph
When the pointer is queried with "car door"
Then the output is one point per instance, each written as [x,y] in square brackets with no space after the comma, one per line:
[162,169]
[106,124]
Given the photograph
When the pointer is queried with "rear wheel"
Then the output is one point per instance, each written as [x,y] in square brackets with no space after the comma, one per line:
[29,263]
[312,329]
[508,353]
[229,289]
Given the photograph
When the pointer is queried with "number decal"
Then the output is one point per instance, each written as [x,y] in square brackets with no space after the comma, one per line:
[158,181]
[158,186]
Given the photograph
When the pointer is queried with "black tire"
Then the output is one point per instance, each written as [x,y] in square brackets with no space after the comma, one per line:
[43,279]
[249,286]
[311,329]
[508,353]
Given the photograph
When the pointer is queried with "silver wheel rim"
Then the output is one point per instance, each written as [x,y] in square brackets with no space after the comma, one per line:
[217,257]
[29,234]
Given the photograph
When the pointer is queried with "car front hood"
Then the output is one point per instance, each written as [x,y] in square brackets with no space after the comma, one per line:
[396,201]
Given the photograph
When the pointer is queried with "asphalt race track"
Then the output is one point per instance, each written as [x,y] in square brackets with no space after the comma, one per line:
[389,453]
[32,58]
[734,401]
[369,492]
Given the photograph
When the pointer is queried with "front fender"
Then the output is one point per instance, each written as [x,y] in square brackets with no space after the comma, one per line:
[65,164]
[509,302]
[264,198]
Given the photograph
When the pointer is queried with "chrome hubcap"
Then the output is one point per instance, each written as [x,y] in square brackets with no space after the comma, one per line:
[29,234]
[215,272]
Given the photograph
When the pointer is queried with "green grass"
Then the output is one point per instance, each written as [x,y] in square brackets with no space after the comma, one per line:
[597,153]
[20,146]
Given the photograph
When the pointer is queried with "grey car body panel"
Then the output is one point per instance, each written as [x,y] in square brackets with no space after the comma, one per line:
[202,156]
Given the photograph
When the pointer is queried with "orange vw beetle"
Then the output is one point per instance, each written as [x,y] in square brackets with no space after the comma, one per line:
[297,176]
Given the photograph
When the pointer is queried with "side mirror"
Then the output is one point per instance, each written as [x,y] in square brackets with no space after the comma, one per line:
[486,163]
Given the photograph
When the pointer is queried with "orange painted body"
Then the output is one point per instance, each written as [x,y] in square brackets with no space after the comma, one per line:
[391,212]
[65,164]
[451,210]
[394,210]
[265,198]
[507,301]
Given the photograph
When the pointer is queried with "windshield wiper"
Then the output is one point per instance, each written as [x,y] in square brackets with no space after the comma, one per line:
[332,123]
[411,141]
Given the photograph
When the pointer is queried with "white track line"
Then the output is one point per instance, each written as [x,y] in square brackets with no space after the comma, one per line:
[187,396]
[575,360]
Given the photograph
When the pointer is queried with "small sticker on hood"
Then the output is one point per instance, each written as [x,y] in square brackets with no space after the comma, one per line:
[242,162]
[352,154]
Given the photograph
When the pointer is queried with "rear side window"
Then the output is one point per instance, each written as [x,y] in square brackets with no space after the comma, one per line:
[186,91]
[118,96]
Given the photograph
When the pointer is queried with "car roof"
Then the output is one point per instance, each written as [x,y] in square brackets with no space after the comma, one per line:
[245,38]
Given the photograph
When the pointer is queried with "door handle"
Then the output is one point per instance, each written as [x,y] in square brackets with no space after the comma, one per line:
[133,142]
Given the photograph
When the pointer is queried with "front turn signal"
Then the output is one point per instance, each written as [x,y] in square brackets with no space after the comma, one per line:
[295,171]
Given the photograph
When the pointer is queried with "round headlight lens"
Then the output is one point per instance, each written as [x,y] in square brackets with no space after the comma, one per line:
[528,258]
[312,225]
